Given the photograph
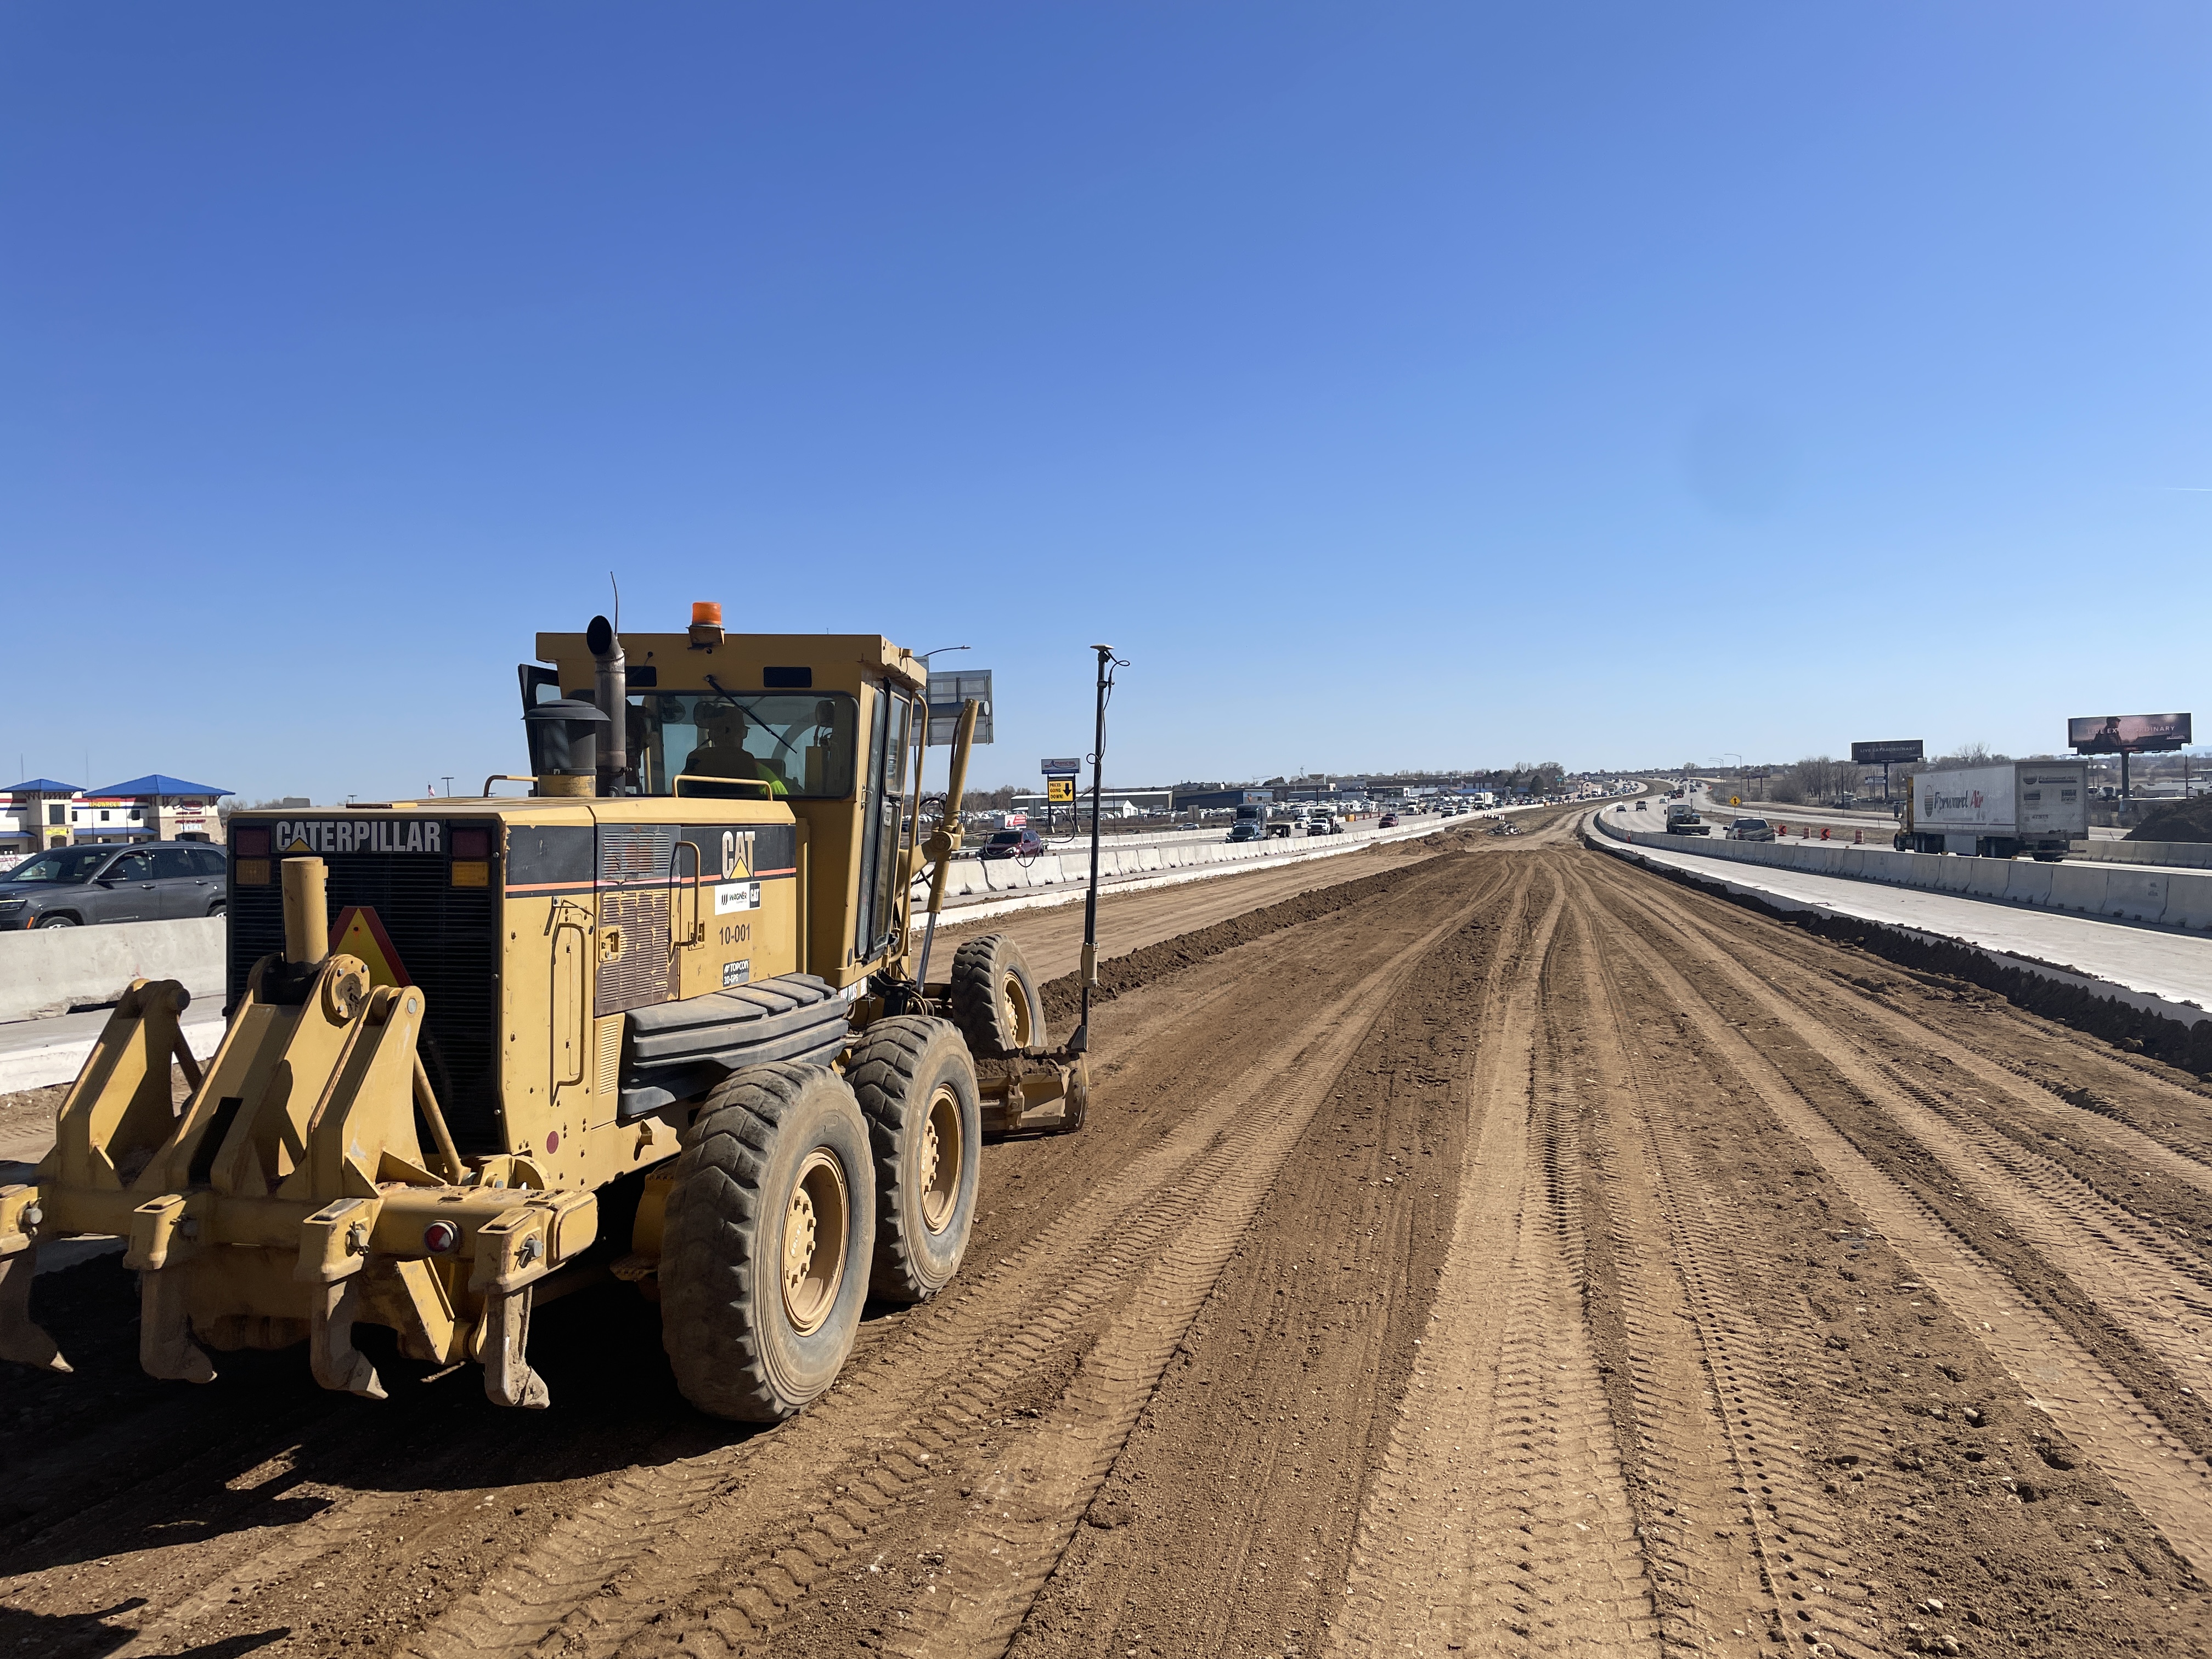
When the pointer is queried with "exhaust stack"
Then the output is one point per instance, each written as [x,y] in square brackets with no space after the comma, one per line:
[610,691]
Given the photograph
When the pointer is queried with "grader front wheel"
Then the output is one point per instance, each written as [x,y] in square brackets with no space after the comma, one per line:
[994,999]
[765,1253]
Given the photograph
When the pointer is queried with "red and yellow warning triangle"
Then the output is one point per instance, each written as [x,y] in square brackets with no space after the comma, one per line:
[359,932]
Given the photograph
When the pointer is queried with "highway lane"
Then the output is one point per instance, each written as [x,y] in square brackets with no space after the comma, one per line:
[1714,798]
[2159,962]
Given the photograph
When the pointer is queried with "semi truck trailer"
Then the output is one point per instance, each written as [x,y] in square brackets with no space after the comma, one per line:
[2037,808]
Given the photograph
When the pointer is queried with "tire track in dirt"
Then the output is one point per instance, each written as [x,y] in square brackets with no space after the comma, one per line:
[1045,1481]
[732,1556]
[2169,1482]
[1795,1534]
[1227,1518]
[1499,1505]
[2159,1292]
[1864,1007]
[1729,1509]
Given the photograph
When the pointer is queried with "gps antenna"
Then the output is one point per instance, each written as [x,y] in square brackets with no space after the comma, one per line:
[1108,662]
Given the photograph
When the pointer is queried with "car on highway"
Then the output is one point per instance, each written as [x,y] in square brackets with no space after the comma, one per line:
[1011,844]
[1323,823]
[1387,821]
[1751,829]
[84,885]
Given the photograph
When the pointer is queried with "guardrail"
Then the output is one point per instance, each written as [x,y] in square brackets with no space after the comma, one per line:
[2167,898]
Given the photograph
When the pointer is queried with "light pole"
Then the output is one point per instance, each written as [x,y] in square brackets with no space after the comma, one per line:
[1731,754]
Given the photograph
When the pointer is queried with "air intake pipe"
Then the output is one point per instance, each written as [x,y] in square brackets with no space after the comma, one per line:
[611,690]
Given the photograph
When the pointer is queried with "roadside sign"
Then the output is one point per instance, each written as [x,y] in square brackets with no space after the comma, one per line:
[1060,768]
[1895,752]
[1734,801]
[948,691]
[1059,791]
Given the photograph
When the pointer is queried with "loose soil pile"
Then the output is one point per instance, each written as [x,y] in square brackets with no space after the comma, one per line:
[2183,820]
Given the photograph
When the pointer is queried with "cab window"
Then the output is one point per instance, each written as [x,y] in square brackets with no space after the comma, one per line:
[801,745]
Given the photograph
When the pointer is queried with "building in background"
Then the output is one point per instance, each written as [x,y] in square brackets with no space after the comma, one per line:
[156,807]
[35,813]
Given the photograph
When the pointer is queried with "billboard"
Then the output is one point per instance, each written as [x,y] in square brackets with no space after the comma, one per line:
[1893,752]
[2112,734]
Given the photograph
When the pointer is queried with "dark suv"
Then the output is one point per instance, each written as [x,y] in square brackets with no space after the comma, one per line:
[151,881]
[1011,844]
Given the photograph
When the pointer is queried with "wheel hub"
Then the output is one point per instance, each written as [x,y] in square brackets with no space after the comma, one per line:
[938,1171]
[1017,1006]
[816,1227]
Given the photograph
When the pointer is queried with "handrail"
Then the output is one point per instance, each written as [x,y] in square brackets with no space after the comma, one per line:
[767,789]
[676,880]
[505,777]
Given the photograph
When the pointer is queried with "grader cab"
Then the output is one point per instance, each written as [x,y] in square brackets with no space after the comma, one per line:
[667,1016]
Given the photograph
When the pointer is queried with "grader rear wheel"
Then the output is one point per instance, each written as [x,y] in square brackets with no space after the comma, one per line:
[916,1086]
[994,999]
[771,1224]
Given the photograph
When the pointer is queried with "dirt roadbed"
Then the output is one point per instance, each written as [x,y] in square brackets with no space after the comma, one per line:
[1501,1251]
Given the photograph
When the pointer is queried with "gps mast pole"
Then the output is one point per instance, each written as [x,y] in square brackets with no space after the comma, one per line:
[1108,662]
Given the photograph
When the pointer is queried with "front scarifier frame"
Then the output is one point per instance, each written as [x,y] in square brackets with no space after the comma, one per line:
[291,1196]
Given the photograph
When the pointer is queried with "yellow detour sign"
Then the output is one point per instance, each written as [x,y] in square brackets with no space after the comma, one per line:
[1733,801]
[1057,790]
[359,932]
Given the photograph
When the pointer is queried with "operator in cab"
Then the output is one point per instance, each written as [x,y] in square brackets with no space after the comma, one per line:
[722,753]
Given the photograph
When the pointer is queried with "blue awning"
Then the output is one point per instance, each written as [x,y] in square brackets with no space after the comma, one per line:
[159,783]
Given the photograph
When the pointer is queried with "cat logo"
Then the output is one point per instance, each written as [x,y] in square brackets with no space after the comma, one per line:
[736,853]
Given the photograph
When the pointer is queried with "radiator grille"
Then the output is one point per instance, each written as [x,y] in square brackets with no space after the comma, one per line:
[447,941]
[635,851]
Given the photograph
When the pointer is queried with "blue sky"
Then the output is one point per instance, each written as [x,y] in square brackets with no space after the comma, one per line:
[1393,385]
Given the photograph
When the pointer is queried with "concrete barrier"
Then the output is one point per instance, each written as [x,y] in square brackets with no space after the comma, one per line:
[2028,883]
[2177,854]
[2134,894]
[2077,888]
[52,969]
[2188,902]
[2168,898]
[1989,878]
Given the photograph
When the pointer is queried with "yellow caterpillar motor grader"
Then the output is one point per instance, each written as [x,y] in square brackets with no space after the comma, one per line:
[667,1017]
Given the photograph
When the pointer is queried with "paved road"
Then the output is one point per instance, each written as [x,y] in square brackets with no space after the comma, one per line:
[2157,961]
